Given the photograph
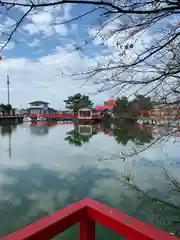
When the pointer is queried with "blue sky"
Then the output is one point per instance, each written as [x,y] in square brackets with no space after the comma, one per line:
[42,56]
[40,51]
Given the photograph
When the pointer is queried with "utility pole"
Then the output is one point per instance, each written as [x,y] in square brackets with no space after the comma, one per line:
[8,82]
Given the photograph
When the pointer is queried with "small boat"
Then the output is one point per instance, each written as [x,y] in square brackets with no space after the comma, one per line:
[139,121]
[27,119]
[41,119]
[147,121]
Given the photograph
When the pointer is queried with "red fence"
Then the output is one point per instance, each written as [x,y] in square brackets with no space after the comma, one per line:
[53,116]
[11,116]
[86,212]
[48,116]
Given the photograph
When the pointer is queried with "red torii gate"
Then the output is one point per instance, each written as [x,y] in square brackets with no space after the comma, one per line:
[86,212]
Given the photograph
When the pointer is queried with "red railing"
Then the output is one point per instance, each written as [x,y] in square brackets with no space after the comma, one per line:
[53,116]
[86,212]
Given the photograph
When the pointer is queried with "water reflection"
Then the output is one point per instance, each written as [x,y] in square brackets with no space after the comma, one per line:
[45,174]
[41,128]
[33,193]
[124,132]
[80,134]
[7,130]
[36,192]
[160,208]
[121,131]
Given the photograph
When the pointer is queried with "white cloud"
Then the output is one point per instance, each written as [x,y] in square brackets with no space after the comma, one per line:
[34,43]
[9,22]
[5,28]
[42,18]
[46,29]
[10,45]
[67,162]
[116,55]
[30,28]
[43,79]
[42,21]
[61,29]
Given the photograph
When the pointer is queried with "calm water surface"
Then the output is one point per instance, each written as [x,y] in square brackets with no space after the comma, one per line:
[41,172]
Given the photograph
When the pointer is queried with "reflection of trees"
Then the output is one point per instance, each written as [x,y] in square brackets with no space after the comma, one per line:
[124,131]
[106,125]
[7,129]
[160,210]
[74,137]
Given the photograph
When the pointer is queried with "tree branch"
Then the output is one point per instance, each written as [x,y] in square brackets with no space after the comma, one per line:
[99,3]
[16,27]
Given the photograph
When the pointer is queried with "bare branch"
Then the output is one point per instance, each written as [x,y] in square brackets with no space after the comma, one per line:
[99,3]
[16,27]
[78,17]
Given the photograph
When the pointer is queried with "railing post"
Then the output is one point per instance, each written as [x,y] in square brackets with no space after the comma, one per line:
[87,229]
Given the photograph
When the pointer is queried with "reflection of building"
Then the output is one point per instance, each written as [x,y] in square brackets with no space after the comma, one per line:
[39,129]
[85,130]
[40,107]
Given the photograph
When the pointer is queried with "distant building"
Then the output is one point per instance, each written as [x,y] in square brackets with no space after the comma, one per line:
[40,107]
[90,113]
[22,111]
[110,102]
[97,112]
[108,105]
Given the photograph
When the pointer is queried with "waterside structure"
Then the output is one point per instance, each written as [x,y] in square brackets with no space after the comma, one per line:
[86,213]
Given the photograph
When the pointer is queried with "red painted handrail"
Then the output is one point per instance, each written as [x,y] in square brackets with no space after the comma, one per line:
[86,212]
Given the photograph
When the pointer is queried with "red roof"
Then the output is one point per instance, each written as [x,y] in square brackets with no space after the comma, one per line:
[101,108]
[111,102]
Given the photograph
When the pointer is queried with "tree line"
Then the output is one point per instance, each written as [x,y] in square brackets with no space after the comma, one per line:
[131,108]
[123,104]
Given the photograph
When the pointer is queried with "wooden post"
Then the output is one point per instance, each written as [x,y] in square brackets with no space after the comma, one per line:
[87,229]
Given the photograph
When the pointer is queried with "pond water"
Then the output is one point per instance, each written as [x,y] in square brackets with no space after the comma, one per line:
[44,168]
